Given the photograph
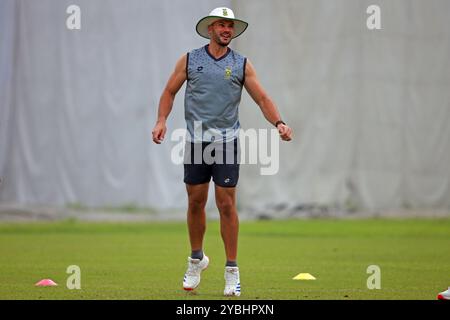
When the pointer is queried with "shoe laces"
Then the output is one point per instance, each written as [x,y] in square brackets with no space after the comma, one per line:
[231,276]
[193,268]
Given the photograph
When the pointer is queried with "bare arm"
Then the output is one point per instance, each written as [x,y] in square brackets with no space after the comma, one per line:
[174,84]
[262,99]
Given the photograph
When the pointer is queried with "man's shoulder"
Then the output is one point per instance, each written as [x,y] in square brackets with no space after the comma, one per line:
[236,53]
[197,50]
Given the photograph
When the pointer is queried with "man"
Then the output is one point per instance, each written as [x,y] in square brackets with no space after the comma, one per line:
[215,76]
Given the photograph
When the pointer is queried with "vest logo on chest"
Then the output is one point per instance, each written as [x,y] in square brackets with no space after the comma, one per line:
[228,73]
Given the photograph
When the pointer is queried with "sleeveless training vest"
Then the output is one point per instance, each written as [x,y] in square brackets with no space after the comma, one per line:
[213,93]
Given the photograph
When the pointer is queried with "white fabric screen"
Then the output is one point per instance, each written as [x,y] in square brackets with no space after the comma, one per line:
[370,108]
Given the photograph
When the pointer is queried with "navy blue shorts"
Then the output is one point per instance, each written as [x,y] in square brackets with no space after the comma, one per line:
[218,160]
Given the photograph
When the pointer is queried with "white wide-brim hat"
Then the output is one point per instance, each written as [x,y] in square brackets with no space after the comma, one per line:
[219,14]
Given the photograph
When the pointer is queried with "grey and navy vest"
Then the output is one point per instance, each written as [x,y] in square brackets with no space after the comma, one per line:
[213,93]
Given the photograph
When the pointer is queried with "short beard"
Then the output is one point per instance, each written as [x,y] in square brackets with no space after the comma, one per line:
[220,43]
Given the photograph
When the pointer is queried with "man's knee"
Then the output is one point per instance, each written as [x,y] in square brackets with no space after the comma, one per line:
[197,202]
[197,196]
[226,206]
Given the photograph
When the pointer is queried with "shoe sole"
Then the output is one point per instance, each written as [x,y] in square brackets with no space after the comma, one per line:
[192,289]
[232,295]
[441,297]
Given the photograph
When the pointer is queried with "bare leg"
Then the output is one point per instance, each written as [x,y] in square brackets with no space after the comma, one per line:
[196,216]
[229,221]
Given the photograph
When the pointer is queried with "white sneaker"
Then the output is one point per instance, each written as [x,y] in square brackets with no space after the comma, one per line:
[232,282]
[192,276]
[444,295]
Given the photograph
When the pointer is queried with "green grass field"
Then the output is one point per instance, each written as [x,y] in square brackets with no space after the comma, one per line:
[148,260]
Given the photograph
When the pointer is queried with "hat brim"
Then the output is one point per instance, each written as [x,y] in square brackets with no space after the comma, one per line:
[202,26]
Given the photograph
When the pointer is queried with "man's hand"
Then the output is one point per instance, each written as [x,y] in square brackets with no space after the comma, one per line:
[285,132]
[159,131]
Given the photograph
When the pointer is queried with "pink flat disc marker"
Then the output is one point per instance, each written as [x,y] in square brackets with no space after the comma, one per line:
[46,283]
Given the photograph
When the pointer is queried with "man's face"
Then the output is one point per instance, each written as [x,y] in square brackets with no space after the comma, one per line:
[222,32]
